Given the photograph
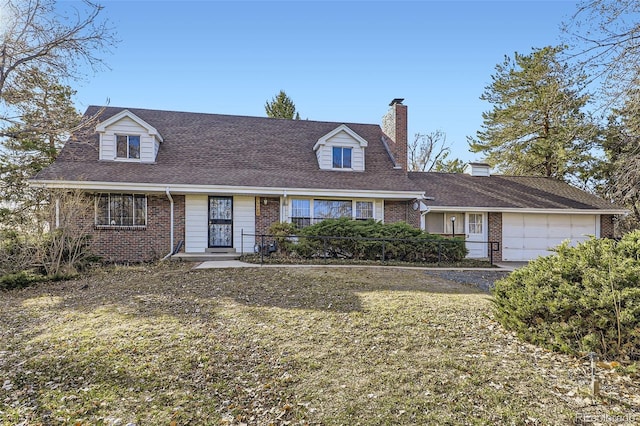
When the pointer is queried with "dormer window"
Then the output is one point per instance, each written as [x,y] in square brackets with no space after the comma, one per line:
[128,138]
[341,157]
[128,146]
[341,150]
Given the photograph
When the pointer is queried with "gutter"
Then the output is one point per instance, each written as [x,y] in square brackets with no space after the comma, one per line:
[614,211]
[170,224]
[234,190]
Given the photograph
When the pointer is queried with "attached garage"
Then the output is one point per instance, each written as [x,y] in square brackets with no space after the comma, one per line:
[527,215]
[526,236]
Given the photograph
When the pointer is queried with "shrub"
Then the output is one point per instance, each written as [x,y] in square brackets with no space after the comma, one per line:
[281,232]
[368,240]
[582,299]
[65,254]
[18,280]
[17,252]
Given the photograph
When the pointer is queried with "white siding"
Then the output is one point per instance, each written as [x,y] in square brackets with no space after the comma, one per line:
[196,223]
[527,236]
[244,221]
[342,139]
[147,149]
[107,146]
[379,210]
[149,145]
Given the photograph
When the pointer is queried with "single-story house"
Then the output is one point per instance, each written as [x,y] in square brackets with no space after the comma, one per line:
[215,181]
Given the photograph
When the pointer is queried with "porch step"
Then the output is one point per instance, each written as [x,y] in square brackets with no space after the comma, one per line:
[221,250]
[206,257]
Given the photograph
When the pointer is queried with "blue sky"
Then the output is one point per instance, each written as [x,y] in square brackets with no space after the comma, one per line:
[338,60]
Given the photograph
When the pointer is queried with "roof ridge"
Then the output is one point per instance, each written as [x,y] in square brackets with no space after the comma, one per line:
[122,108]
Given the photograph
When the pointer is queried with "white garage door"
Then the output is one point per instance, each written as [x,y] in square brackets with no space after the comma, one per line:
[527,236]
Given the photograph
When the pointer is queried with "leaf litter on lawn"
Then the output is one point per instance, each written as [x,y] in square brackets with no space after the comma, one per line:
[157,344]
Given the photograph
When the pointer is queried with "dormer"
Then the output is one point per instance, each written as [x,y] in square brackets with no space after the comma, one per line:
[128,138]
[342,149]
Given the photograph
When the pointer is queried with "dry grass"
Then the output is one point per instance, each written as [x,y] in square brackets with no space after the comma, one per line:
[169,345]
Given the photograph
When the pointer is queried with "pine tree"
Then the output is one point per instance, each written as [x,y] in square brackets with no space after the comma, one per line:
[47,115]
[537,126]
[281,106]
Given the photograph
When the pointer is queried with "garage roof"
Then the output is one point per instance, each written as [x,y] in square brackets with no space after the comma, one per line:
[507,192]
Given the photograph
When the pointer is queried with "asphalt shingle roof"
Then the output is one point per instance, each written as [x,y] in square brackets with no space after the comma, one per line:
[226,150]
[497,191]
[212,149]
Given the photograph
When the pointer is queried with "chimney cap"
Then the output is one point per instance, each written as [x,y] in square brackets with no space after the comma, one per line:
[396,101]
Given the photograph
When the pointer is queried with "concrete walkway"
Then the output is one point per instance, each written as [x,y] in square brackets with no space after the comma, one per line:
[505,266]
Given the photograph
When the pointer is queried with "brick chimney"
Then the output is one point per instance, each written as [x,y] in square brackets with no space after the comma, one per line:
[394,125]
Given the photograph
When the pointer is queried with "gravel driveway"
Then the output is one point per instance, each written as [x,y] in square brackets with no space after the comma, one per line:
[482,279]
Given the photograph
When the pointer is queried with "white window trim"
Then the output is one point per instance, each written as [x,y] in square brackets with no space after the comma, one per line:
[355,209]
[312,206]
[103,226]
[126,159]
[342,158]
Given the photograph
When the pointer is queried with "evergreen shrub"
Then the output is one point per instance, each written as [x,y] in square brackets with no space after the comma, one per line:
[581,299]
[366,239]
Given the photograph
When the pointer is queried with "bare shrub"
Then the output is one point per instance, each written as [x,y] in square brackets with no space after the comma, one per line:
[64,250]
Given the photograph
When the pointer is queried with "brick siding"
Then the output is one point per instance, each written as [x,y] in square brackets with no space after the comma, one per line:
[394,125]
[142,245]
[607,226]
[495,234]
[401,211]
[269,214]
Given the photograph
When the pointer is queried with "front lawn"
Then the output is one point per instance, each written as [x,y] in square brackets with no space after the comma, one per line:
[167,345]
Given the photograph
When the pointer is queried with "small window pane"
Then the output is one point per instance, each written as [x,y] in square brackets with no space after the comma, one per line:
[435,223]
[364,210]
[140,213]
[134,146]
[346,158]
[301,212]
[102,213]
[122,146]
[337,158]
[127,210]
[475,223]
[300,208]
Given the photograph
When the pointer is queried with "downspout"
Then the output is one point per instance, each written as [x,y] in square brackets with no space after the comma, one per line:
[170,224]
[57,212]
[284,208]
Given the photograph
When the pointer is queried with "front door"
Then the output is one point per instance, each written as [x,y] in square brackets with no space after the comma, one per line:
[220,222]
[476,235]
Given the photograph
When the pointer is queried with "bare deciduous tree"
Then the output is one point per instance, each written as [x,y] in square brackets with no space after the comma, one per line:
[604,38]
[427,150]
[38,36]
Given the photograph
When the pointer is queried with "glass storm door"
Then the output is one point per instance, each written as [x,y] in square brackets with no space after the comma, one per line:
[476,237]
[220,222]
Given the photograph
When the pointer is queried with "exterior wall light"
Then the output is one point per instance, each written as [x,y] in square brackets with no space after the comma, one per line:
[453,226]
